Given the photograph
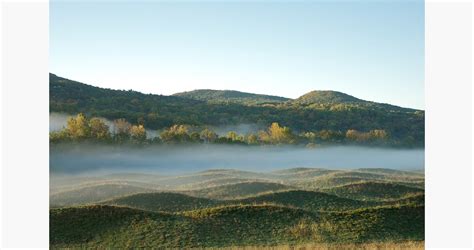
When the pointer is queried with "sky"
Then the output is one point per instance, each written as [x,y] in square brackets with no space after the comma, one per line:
[373,50]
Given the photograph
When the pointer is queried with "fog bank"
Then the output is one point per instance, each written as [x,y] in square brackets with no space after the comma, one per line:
[166,159]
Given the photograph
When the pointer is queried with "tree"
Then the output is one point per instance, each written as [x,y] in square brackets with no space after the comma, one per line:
[208,135]
[277,134]
[310,136]
[78,127]
[175,133]
[252,139]
[232,135]
[378,134]
[195,137]
[59,136]
[138,133]
[98,129]
[330,135]
[354,135]
[122,129]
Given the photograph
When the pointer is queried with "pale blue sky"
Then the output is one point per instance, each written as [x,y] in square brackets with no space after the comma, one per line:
[373,50]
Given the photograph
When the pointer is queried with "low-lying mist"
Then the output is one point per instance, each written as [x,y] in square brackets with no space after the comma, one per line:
[170,160]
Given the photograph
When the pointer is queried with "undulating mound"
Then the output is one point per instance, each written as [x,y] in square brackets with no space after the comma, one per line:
[112,227]
[237,190]
[308,200]
[162,201]
[91,194]
[375,191]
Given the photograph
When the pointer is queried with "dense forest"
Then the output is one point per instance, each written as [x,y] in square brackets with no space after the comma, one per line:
[314,118]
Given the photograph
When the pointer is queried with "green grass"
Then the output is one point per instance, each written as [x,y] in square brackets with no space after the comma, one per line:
[163,201]
[373,191]
[91,194]
[339,178]
[308,200]
[238,190]
[176,202]
[257,225]
[363,208]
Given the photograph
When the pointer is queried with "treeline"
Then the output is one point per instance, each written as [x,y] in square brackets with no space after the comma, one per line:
[82,129]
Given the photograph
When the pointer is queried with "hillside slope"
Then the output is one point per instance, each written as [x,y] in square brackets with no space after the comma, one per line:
[93,193]
[162,201]
[118,227]
[308,200]
[314,112]
[374,191]
[233,191]
[325,97]
[222,96]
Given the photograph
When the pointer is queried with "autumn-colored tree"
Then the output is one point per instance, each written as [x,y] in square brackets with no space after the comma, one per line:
[122,129]
[378,134]
[78,127]
[310,136]
[357,136]
[207,135]
[252,139]
[232,135]
[138,133]
[98,129]
[277,134]
[175,133]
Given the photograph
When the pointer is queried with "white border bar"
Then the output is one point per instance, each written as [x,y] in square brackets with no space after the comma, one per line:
[448,91]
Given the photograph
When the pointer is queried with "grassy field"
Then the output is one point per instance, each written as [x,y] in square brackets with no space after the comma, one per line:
[299,208]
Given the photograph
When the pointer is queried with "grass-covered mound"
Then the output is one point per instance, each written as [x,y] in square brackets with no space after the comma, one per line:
[415,199]
[119,227]
[342,177]
[163,201]
[92,194]
[396,223]
[308,200]
[237,190]
[374,191]
[229,208]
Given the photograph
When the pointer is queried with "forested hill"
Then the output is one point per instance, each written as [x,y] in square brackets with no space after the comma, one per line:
[220,96]
[322,97]
[316,111]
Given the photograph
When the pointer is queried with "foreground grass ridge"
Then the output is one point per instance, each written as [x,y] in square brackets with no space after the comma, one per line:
[226,208]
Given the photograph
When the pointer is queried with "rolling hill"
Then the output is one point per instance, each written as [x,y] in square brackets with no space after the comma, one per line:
[162,201]
[262,225]
[315,111]
[375,209]
[344,177]
[373,191]
[223,96]
[308,200]
[238,190]
[325,97]
[177,202]
[95,193]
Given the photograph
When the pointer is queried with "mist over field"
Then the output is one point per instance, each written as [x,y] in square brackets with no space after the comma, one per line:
[57,121]
[191,158]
